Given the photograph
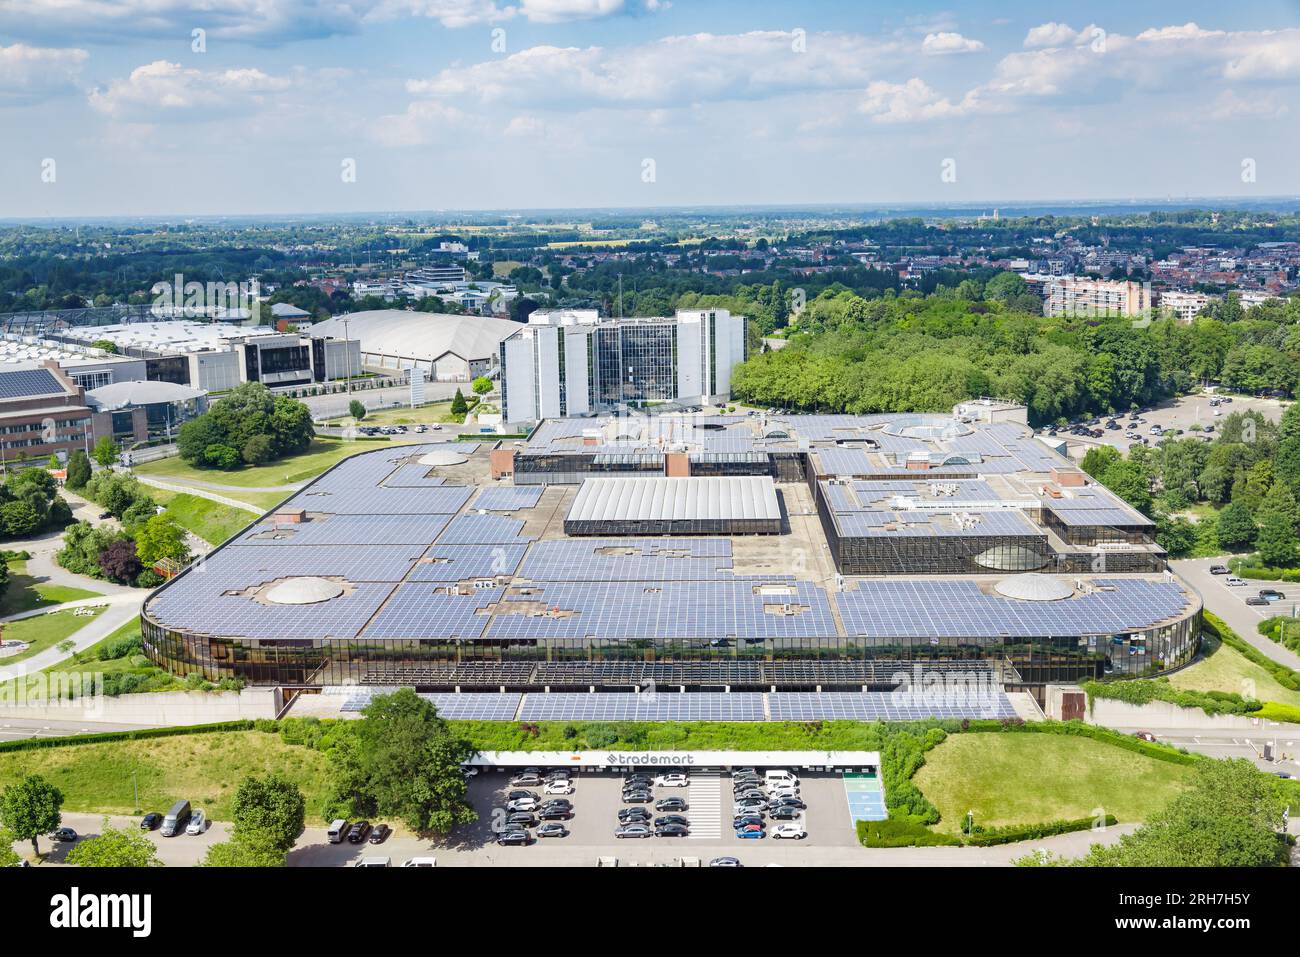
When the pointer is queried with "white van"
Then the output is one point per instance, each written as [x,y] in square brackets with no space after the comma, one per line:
[374,862]
[338,830]
[1234,580]
[778,778]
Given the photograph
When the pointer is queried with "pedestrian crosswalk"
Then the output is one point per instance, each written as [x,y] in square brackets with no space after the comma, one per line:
[704,798]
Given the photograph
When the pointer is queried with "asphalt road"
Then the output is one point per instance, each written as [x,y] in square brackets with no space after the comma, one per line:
[15,729]
[1229,603]
[182,850]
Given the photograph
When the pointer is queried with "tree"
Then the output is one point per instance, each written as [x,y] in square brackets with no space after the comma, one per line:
[79,470]
[1236,526]
[8,856]
[482,385]
[258,450]
[403,761]
[357,409]
[273,807]
[1276,540]
[458,404]
[115,847]
[158,538]
[18,519]
[1099,458]
[1129,482]
[1230,816]
[252,849]
[119,562]
[106,451]
[29,808]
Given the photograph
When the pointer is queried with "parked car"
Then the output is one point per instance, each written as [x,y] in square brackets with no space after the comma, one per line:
[525,780]
[749,835]
[1233,580]
[787,812]
[358,832]
[674,804]
[1256,600]
[380,833]
[674,780]
[555,813]
[792,831]
[673,830]
[634,830]
[421,862]
[1272,594]
[64,835]
[637,797]
[150,821]
[634,814]
[725,862]
[1218,569]
[558,787]
[520,838]
[198,824]
[671,819]
[520,795]
[520,819]
[522,804]
[1145,736]
[552,829]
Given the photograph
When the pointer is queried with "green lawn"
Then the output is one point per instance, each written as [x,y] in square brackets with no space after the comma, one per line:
[24,593]
[428,414]
[295,468]
[211,521]
[1032,778]
[1225,669]
[44,631]
[203,768]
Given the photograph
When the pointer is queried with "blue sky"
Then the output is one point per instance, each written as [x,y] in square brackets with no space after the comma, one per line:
[107,108]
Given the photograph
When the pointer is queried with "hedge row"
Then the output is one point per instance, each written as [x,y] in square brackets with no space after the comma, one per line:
[1140,691]
[30,744]
[1032,832]
[1152,749]
[902,832]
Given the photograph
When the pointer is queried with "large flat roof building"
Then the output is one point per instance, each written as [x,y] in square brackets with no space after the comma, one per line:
[446,348]
[891,542]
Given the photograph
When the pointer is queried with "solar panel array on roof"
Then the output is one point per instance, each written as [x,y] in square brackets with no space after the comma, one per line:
[453,707]
[348,530]
[888,705]
[211,612]
[251,564]
[427,611]
[363,500]
[959,609]
[447,563]
[508,498]
[482,529]
[21,383]
[615,559]
[661,706]
[844,462]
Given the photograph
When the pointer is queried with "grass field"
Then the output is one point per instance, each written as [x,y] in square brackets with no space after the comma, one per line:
[427,414]
[211,521]
[24,593]
[1224,669]
[1031,778]
[203,768]
[295,468]
[44,631]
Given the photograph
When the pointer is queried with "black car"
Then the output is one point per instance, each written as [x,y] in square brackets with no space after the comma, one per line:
[672,830]
[633,813]
[520,819]
[380,833]
[671,819]
[358,832]
[555,813]
[638,782]
[787,802]
[516,838]
[1271,593]
[1256,600]
[64,835]
[741,820]
[519,794]
[637,797]
[150,821]
[787,812]
[557,802]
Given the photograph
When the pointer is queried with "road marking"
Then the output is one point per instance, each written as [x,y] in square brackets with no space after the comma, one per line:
[704,797]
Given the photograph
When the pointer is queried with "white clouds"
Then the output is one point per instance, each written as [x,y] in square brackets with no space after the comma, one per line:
[673,71]
[163,90]
[1058,35]
[524,126]
[944,44]
[423,123]
[28,74]
[910,102]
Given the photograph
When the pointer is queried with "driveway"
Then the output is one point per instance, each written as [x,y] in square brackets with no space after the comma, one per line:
[180,851]
[1229,604]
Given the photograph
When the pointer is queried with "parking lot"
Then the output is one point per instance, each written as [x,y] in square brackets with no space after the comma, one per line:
[1182,413]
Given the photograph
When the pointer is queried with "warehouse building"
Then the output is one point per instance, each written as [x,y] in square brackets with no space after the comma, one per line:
[446,348]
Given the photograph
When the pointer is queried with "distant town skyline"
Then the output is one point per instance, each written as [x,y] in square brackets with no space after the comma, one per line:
[160,108]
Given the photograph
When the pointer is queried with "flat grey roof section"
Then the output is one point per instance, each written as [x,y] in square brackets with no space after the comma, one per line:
[729,498]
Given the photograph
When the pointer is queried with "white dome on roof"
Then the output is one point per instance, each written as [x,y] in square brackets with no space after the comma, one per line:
[1033,586]
[443,457]
[303,591]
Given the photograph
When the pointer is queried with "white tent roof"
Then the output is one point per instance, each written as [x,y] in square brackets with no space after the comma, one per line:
[650,499]
[121,395]
[423,336]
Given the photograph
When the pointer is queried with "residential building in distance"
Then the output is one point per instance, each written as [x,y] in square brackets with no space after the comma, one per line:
[42,413]
[572,362]
[1185,306]
[1071,296]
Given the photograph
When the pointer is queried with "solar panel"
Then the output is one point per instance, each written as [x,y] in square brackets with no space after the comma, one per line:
[482,530]
[445,563]
[615,559]
[508,498]
[348,530]
[888,705]
[653,706]
[454,707]
[20,383]
[418,610]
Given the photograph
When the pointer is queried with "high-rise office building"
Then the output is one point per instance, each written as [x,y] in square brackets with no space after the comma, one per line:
[572,362]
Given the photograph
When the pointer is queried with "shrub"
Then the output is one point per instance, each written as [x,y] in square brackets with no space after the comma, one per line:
[119,562]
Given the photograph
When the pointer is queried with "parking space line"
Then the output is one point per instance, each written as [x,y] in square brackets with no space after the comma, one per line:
[704,797]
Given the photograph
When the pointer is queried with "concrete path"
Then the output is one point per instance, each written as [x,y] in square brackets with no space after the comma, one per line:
[121,609]
[1229,604]
[202,493]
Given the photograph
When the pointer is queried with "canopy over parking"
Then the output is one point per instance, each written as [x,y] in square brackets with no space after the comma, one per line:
[598,760]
